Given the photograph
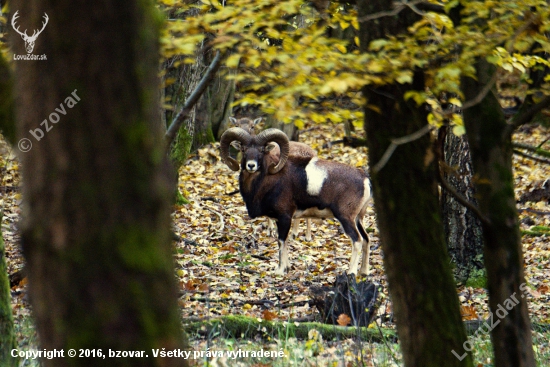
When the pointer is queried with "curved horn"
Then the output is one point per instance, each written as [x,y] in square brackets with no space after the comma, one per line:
[280,138]
[235,133]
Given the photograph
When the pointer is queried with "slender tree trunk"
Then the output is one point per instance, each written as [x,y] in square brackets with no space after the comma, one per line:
[491,148]
[406,201]
[96,224]
[462,228]
[213,108]
[182,80]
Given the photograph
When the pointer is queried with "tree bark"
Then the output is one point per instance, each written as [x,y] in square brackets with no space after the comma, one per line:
[213,108]
[183,80]
[491,149]
[7,332]
[462,228]
[96,217]
[7,118]
[406,201]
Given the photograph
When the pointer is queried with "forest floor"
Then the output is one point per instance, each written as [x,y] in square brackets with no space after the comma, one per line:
[225,260]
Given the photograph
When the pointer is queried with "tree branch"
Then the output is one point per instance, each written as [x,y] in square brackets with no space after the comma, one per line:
[461,199]
[193,99]
[482,93]
[399,141]
[399,6]
[536,150]
[529,156]
[527,116]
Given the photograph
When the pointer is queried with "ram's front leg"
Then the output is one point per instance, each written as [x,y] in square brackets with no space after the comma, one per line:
[283,227]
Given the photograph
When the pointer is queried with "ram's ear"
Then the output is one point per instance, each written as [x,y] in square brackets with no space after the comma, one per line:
[269,146]
[233,120]
[258,120]
[236,144]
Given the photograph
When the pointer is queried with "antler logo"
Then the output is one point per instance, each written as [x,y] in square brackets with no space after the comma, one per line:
[29,40]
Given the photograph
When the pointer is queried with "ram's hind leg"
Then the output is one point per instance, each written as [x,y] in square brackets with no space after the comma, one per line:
[365,261]
[356,243]
[366,249]
[295,224]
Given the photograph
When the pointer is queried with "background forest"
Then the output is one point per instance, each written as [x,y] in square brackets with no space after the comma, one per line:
[445,103]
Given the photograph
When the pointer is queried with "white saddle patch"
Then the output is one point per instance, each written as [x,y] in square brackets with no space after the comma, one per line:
[316,176]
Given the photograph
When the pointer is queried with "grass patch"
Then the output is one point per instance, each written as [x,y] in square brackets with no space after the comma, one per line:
[477,279]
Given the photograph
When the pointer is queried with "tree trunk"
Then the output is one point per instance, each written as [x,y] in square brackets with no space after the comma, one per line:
[406,201]
[96,217]
[462,228]
[491,149]
[289,129]
[7,332]
[181,80]
[7,119]
[213,108]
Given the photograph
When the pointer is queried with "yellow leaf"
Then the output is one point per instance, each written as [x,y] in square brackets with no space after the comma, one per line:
[459,130]
[405,77]
[341,48]
[455,101]
[375,66]
[233,61]
[374,108]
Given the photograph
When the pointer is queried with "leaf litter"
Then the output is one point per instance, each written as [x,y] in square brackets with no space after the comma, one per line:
[225,260]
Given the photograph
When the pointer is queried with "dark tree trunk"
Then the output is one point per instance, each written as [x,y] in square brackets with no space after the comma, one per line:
[7,119]
[214,107]
[96,216]
[491,149]
[462,228]
[408,214]
[7,332]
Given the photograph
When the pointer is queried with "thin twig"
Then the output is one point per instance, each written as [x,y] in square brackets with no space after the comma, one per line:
[537,212]
[193,98]
[399,141]
[220,216]
[399,6]
[529,156]
[482,93]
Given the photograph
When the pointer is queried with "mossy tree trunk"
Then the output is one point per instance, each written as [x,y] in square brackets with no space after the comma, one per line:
[406,201]
[462,228]
[96,220]
[180,79]
[7,120]
[7,332]
[491,148]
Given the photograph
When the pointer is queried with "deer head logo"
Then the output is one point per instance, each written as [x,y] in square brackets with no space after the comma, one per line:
[29,40]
